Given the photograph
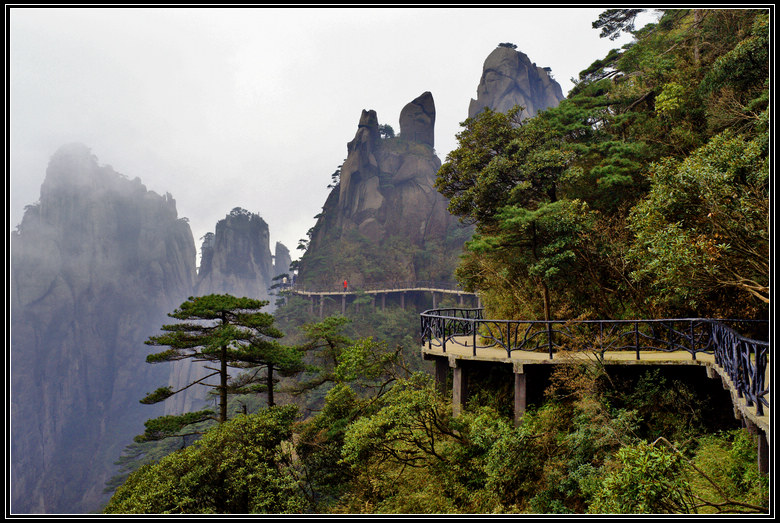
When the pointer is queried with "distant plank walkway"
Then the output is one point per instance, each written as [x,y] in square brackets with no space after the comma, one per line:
[381,290]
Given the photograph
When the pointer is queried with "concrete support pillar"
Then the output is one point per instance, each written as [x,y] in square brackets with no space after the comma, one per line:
[459,386]
[311,305]
[433,294]
[460,300]
[403,294]
[322,306]
[521,393]
[761,444]
[441,373]
[343,303]
[383,301]
[763,453]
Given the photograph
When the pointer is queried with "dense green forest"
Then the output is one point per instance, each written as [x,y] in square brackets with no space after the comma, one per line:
[644,194]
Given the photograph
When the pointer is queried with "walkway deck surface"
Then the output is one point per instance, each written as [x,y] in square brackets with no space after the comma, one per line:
[460,348]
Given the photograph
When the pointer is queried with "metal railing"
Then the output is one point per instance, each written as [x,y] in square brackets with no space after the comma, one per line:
[745,360]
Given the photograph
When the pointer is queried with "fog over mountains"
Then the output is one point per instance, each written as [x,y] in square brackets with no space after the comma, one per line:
[96,265]
[99,260]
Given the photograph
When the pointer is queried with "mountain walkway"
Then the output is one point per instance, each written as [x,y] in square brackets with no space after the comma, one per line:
[457,338]
[379,290]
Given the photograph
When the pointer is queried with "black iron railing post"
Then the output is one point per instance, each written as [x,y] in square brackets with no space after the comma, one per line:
[549,339]
[508,340]
[474,328]
[636,338]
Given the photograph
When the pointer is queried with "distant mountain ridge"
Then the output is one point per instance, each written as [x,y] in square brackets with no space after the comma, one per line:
[236,259]
[384,220]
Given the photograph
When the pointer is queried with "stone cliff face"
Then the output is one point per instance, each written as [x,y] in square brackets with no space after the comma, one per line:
[385,208]
[237,258]
[508,79]
[95,267]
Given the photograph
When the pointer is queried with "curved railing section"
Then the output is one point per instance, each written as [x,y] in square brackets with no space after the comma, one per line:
[744,359]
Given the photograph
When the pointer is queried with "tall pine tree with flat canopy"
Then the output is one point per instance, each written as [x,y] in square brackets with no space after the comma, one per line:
[225,332]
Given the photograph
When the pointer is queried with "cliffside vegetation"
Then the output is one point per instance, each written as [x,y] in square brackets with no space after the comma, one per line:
[384,441]
[644,194]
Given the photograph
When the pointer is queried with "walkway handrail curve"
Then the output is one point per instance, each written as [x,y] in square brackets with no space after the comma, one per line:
[744,359]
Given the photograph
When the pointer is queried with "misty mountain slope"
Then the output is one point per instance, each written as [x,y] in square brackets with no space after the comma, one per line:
[236,259]
[96,264]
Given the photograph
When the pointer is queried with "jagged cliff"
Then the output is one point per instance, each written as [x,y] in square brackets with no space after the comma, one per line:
[95,267]
[509,78]
[384,220]
[237,258]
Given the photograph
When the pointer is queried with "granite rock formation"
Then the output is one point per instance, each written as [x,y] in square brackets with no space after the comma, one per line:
[509,78]
[95,266]
[385,208]
[237,258]
[282,260]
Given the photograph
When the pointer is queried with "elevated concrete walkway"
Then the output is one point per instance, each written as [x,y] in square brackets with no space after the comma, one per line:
[454,355]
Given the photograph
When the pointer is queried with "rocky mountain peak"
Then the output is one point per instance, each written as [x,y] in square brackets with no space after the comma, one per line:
[418,118]
[509,78]
[385,194]
[236,259]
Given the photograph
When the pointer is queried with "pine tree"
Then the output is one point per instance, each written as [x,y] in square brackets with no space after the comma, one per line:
[225,332]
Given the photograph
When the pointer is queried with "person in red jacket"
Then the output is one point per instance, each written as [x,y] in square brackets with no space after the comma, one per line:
[345,285]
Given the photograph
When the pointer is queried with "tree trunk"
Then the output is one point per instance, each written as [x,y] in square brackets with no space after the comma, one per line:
[270,385]
[546,294]
[545,290]
[697,18]
[223,375]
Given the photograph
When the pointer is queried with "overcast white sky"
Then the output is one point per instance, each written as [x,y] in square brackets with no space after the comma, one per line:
[253,107]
